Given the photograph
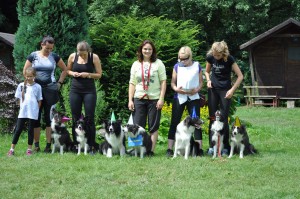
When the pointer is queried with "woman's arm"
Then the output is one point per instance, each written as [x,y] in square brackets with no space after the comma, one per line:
[61,64]
[237,83]
[207,74]
[131,91]
[98,68]
[27,64]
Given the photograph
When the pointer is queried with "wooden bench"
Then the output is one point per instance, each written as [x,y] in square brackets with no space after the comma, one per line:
[254,98]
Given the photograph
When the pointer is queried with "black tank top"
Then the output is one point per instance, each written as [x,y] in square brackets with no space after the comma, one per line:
[79,84]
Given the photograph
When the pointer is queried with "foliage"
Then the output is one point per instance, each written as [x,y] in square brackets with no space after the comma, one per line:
[273,173]
[65,20]
[116,40]
[8,103]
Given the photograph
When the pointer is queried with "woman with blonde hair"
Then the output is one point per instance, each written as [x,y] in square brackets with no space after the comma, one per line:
[84,67]
[187,82]
[219,65]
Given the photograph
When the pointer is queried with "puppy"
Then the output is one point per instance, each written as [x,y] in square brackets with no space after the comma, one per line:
[183,135]
[82,135]
[239,141]
[217,134]
[134,131]
[114,139]
[60,135]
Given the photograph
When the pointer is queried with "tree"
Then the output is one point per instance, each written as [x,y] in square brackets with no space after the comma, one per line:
[116,40]
[65,20]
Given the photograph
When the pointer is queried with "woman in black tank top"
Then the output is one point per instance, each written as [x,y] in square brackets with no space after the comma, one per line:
[84,67]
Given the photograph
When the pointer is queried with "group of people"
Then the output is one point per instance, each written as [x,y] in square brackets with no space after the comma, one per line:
[146,93]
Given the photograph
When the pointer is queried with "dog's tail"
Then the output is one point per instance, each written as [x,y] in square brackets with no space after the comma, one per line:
[252,149]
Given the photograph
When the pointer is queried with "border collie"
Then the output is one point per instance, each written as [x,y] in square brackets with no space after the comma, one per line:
[82,135]
[114,139]
[217,135]
[183,135]
[134,131]
[239,141]
[60,135]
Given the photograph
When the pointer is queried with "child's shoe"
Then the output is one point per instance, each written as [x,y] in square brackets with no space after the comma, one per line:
[10,153]
[29,152]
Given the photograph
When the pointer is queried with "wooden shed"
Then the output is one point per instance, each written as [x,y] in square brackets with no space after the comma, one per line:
[7,42]
[274,58]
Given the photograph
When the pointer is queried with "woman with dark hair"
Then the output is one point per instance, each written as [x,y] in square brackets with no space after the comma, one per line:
[147,87]
[44,62]
[84,66]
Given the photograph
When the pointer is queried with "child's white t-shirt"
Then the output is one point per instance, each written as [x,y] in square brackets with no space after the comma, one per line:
[29,108]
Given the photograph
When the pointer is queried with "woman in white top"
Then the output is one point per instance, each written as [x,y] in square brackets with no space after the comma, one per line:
[186,81]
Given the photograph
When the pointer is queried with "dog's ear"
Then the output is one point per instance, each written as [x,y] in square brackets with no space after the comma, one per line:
[187,120]
[243,128]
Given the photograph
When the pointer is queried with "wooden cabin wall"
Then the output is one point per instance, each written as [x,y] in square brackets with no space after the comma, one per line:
[269,64]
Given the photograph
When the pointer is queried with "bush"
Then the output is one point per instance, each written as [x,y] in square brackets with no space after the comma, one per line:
[116,41]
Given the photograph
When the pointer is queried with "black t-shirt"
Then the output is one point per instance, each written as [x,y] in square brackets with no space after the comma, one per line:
[220,72]
[83,85]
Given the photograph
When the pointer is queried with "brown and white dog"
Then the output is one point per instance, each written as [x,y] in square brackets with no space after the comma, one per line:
[239,141]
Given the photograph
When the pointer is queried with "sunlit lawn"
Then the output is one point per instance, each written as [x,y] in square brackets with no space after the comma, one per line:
[274,173]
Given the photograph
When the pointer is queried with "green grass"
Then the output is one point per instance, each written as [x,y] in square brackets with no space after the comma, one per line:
[274,173]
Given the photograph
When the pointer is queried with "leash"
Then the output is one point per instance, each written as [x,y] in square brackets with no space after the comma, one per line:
[218,146]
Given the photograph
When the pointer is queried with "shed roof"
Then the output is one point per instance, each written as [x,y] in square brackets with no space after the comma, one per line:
[7,38]
[269,33]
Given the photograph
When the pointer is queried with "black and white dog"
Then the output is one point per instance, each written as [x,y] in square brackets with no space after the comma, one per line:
[82,135]
[114,139]
[183,135]
[60,135]
[217,134]
[239,141]
[134,131]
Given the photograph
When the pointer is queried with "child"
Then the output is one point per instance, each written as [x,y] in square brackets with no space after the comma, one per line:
[30,95]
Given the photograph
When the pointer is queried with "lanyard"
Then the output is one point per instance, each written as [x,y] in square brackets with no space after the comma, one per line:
[145,83]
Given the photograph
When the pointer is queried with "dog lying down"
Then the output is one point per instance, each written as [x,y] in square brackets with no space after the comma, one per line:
[183,136]
[239,141]
[138,134]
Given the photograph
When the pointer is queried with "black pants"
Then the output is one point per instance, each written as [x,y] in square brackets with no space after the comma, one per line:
[177,111]
[217,101]
[19,128]
[89,102]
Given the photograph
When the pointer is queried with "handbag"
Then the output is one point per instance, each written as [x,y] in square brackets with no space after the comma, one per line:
[50,93]
[203,101]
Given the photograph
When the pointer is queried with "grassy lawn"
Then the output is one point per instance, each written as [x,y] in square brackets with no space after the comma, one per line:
[274,173]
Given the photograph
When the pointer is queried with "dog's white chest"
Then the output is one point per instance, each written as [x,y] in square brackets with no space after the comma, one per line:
[217,126]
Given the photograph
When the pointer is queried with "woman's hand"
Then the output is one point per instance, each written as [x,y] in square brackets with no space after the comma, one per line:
[160,104]
[209,84]
[131,105]
[229,94]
